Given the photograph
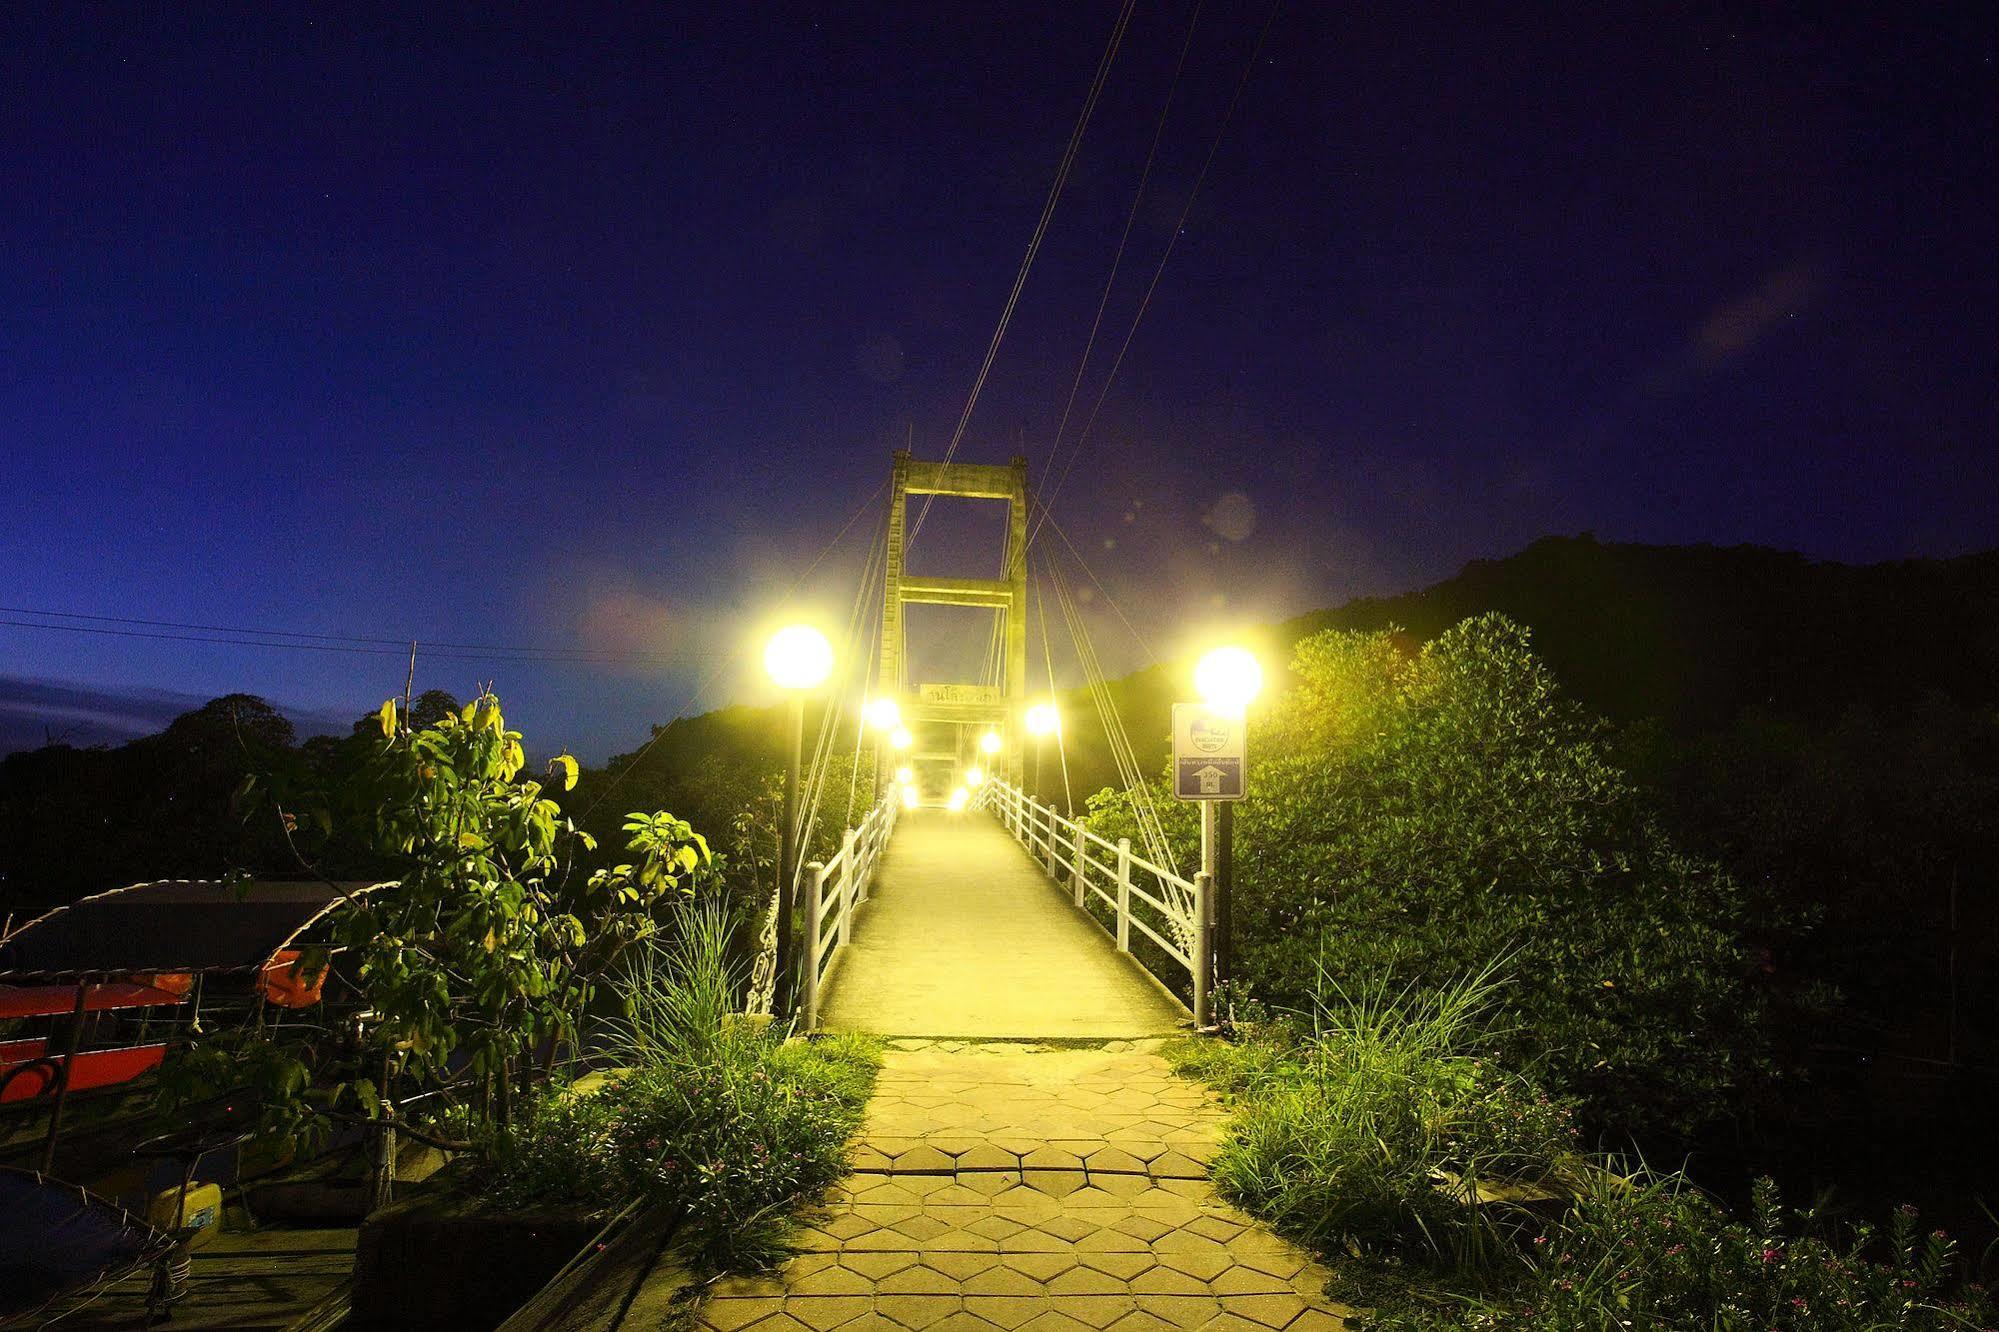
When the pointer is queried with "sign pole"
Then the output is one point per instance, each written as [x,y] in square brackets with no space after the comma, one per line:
[1209,762]
[1224,890]
[785,987]
[1209,842]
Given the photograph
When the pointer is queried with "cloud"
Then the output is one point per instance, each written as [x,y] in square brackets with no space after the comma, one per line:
[1734,329]
[622,619]
[35,712]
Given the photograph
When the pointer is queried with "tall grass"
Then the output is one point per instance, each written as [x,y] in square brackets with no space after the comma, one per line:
[1372,1130]
[1370,1125]
[681,995]
[710,1110]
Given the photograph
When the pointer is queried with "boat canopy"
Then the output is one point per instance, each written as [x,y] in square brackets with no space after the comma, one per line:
[174,925]
[25,1001]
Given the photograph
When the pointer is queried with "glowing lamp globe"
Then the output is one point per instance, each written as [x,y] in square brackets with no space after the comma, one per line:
[958,799]
[974,776]
[883,714]
[1042,719]
[905,775]
[1228,678]
[901,738]
[799,657]
[989,743]
[909,797]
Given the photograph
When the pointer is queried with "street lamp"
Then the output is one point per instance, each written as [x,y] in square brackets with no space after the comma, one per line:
[1042,721]
[1228,679]
[974,776]
[882,715]
[798,658]
[900,738]
[958,798]
[905,775]
[989,743]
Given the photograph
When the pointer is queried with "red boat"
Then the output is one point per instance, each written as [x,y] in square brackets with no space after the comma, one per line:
[82,987]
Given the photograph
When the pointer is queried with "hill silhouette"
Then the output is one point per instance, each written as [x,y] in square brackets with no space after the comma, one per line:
[1684,636]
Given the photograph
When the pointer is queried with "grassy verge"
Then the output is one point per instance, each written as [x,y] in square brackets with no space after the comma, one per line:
[1449,1192]
[713,1112]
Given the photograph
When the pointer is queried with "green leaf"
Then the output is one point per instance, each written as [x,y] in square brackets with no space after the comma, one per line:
[389,720]
[566,765]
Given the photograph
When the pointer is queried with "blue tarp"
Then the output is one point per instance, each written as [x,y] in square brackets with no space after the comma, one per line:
[56,1239]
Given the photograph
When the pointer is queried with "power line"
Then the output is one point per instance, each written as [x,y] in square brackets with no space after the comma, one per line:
[400,644]
[356,649]
[1033,245]
[322,643]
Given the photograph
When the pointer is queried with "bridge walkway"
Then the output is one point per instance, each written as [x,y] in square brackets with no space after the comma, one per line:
[965,937]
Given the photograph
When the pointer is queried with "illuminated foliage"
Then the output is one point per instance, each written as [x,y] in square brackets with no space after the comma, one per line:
[1417,814]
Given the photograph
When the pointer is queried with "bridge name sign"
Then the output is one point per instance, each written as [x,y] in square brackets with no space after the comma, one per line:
[1208,753]
[959,693]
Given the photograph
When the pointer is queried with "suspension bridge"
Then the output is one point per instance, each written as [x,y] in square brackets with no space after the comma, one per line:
[1029,1160]
[994,913]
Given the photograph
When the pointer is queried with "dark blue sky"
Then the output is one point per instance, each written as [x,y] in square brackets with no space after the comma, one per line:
[589,331]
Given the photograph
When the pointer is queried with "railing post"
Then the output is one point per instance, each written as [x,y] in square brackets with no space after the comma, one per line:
[871,828]
[1204,941]
[1124,894]
[1048,843]
[848,869]
[815,878]
[1077,878]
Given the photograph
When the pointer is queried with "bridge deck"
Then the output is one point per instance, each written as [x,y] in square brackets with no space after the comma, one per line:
[965,937]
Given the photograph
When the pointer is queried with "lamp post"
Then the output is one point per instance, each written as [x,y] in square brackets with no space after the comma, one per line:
[1042,722]
[883,716]
[799,659]
[1227,679]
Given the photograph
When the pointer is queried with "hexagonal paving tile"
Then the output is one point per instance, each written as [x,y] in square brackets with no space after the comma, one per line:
[1031,1189]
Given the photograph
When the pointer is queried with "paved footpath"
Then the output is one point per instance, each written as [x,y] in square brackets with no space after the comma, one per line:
[1023,1186]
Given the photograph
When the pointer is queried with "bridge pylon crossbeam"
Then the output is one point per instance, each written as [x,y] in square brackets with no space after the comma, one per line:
[959,705]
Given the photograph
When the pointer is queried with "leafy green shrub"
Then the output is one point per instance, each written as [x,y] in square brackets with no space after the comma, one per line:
[1659,1255]
[713,1112]
[484,950]
[1414,814]
[1373,1132]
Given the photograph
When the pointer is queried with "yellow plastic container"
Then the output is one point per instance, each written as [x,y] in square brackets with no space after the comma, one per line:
[201,1212]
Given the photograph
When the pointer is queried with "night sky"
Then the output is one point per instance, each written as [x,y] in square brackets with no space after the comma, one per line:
[588,330]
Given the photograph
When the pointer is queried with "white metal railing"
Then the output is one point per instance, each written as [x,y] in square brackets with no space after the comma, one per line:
[1172,912]
[834,891]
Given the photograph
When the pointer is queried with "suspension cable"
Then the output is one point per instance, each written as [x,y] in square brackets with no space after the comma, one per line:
[1048,659]
[1130,769]
[1034,245]
[1173,240]
[1117,258]
[1109,600]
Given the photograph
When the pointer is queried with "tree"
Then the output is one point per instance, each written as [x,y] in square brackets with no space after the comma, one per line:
[1416,815]
[490,941]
